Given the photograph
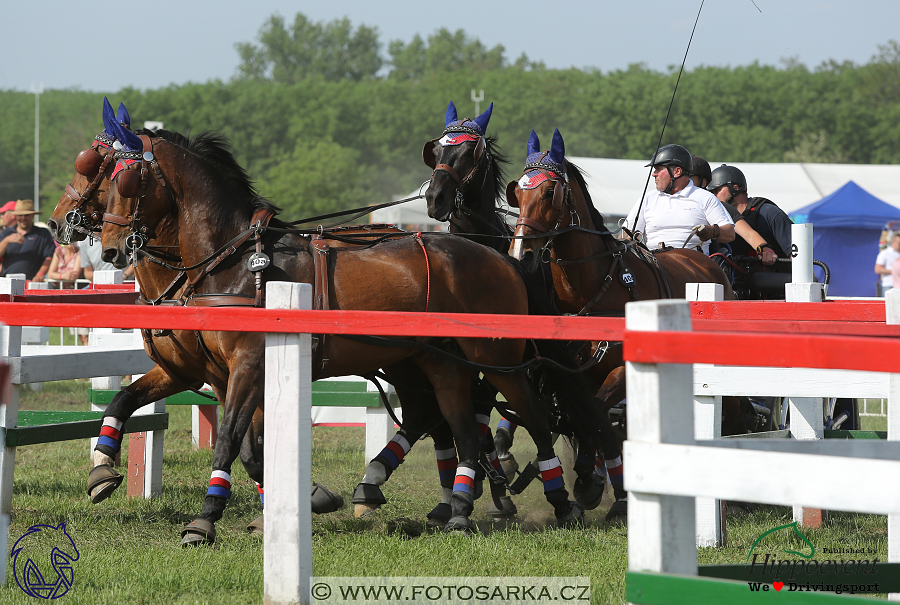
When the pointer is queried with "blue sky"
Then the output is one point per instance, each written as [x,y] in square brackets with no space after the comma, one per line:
[65,44]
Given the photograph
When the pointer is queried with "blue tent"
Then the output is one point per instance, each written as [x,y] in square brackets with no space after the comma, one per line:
[846,228]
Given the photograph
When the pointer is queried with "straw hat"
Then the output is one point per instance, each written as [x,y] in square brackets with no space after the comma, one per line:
[24,207]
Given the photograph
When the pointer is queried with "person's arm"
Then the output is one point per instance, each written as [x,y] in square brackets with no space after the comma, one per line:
[128,272]
[42,272]
[756,241]
[13,238]
[781,227]
[75,273]
[53,271]
[89,273]
[880,269]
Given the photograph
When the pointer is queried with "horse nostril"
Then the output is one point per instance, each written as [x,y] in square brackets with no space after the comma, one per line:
[109,255]
[51,225]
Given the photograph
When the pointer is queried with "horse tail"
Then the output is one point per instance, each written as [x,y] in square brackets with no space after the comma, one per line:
[570,391]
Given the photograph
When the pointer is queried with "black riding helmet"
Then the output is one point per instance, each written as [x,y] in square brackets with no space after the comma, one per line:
[700,167]
[730,176]
[672,155]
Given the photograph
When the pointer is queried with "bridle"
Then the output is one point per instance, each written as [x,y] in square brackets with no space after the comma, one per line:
[132,183]
[562,196]
[89,164]
[481,155]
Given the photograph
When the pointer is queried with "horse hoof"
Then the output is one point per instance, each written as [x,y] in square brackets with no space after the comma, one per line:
[439,516]
[102,482]
[510,467]
[256,526]
[589,493]
[618,512]
[198,532]
[506,509]
[573,518]
[460,525]
[366,499]
[324,500]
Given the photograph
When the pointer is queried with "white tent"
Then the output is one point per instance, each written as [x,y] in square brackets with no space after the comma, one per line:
[616,185]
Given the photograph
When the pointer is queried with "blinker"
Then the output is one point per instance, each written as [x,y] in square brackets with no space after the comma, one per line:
[88,163]
[129,183]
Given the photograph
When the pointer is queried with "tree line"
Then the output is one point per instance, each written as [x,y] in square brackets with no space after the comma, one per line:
[322,121]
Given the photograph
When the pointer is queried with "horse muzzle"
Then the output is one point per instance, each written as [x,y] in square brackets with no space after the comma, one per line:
[115,256]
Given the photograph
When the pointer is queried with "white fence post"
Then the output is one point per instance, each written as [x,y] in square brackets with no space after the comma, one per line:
[287,552]
[661,534]
[104,382]
[708,425]
[10,347]
[806,412]
[802,287]
[892,316]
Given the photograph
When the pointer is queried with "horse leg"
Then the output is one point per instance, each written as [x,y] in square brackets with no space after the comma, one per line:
[420,415]
[611,393]
[503,440]
[245,395]
[534,415]
[153,386]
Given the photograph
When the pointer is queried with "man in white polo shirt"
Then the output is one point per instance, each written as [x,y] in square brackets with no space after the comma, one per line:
[679,214]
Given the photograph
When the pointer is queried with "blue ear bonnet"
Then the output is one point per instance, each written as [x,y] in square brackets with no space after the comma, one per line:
[130,141]
[107,137]
[123,117]
[553,161]
[478,126]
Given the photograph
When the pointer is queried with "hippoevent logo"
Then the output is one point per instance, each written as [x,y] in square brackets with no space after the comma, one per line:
[805,573]
[42,561]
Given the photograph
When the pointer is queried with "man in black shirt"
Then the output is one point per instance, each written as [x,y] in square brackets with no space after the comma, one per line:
[25,248]
[730,186]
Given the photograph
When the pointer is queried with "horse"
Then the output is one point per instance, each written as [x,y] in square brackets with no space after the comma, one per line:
[471,205]
[181,361]
[436,272]
[593,273]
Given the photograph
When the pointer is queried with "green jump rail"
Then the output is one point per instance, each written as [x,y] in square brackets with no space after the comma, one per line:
[328,393]
[50,426]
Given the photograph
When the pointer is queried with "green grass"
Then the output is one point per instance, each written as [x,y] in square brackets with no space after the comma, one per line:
[130,554]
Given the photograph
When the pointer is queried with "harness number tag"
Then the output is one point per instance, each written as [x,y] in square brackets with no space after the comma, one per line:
[626,278]
[257,262]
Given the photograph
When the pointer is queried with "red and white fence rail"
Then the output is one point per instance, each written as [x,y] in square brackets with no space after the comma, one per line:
[666,469]
[288,557]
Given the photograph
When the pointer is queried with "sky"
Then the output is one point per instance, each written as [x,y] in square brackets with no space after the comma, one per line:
[60,44]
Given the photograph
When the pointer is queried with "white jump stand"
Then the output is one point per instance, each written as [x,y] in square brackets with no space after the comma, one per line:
[708,425]
[807,413]
[892,311]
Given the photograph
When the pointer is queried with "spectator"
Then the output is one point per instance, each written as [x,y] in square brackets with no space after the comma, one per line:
[25,248]
[884,265]
[9,219]
[66,265]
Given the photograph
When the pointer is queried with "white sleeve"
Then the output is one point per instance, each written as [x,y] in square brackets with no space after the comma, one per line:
[716,213]
[882,258]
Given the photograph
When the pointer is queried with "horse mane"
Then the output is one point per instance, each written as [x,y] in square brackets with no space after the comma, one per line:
[215,150]
[498,161]
[578,174]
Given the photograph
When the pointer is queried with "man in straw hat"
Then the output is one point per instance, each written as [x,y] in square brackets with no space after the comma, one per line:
[25,248]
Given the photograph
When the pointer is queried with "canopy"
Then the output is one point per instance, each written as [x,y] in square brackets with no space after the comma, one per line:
[847,227]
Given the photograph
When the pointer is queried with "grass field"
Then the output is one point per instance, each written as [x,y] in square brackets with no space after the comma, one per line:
[129,549]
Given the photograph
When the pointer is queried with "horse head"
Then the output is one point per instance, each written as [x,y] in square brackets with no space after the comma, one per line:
[541,194]
[79,211]
[458,158]
[131,209]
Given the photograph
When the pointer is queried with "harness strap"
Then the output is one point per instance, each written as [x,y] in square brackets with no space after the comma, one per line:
[449,169]
[609,280]
[155,355]
[529,222]
[427,270]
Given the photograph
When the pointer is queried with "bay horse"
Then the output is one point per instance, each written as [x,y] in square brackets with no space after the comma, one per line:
[181,357]
[466,189]
[435,272]
[593,273]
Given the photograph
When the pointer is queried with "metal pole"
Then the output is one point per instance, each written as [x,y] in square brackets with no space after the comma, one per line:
[478,99]
[37,144]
